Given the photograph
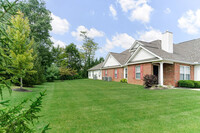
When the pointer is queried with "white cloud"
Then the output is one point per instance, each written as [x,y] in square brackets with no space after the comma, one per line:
[190,22]
[122,40]
[113,11]
[167,11]
[150,35]
[141,13]
[92,33]
[139,9]
[57,43]
[59,26]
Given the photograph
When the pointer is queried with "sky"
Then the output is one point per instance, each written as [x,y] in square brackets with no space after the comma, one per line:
[116,24]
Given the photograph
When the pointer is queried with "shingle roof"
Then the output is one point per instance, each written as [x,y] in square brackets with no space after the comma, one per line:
[97,67]
[121,57]
[188,51]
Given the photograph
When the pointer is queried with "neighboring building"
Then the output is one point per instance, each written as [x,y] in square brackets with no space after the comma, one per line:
[169,62]
[95,72]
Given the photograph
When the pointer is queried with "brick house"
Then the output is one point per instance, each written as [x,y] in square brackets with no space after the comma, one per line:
[169,62]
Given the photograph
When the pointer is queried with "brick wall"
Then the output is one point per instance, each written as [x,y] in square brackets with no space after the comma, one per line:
[168,74]
[111,73]
[171,73]
[177,72]
[145,69]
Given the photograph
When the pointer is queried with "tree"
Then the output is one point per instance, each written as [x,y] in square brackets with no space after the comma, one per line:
[73,57]
[21,46]
[97,61]
[52,73]
[40,25]
[58,55]
[67,73]
[89,49]
[17,118]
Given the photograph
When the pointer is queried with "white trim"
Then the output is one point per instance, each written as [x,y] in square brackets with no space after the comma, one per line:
[141,62]
[107,59]
[140,72]
[151,52]
[135,44]
[125,73]
[161,74]
[136,52]
[185,72]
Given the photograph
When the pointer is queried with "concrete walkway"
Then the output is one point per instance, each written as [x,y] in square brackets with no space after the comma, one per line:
[196,89]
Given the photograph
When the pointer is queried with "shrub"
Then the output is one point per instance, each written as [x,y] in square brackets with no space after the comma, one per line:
[52,73]
[67,73]
[123,80]
[196,84]
[150,80]
[189,83]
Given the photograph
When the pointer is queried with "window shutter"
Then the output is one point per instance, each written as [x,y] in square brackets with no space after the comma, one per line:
[113,73]
[104,71]
[133,72]
[141,71]
[117,73]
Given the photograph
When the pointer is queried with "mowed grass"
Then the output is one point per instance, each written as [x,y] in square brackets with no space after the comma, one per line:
[99,106]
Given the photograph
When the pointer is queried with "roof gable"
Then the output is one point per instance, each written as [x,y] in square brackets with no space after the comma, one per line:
[142,54]
[111,61]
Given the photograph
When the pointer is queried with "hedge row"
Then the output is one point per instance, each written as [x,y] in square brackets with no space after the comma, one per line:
[189,83]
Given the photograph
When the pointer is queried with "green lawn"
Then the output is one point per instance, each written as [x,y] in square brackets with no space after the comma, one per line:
[99,106]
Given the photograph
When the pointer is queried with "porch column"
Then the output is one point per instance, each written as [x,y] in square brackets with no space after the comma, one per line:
[161,73]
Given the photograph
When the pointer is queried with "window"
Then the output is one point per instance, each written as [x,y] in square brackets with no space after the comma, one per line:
[125,73]
[184,73]
[137,72]
[115,73]
[89,74]
[99,74]
[106,73]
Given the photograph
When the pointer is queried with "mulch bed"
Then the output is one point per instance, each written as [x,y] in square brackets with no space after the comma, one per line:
[22,90]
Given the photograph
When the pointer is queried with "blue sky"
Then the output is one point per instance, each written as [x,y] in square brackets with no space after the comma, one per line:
[115,24]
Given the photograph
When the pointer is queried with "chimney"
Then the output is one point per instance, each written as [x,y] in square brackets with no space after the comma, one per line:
[167,42]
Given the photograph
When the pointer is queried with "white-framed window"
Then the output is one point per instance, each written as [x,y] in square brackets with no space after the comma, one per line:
[115,73]
[125,73]
[184,72]
[106,73]
[89,74]
[99,74]
[137,72]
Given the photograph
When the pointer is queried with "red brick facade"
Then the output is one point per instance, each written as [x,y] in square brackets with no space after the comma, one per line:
[145,69]
[111,73]
[177,72]
[171,73]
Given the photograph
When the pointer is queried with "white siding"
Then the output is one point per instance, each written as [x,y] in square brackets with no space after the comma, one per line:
[111,61]
[197,73]
[142,55]
[97,73]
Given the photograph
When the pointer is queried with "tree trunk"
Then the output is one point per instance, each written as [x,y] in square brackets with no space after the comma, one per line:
[21,85]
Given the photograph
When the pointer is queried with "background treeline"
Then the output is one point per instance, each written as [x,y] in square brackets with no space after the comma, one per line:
[51,62]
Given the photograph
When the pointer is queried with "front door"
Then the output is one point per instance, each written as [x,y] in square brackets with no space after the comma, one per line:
[156,70]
